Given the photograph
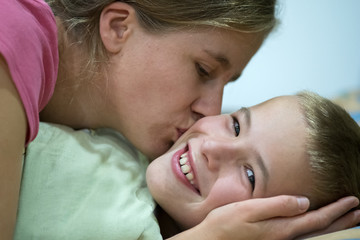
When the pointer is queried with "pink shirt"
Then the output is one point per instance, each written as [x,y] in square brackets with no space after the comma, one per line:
[28,42]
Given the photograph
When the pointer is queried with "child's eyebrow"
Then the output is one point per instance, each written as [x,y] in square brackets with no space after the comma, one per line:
[264,171]
[260,161]
[247,114]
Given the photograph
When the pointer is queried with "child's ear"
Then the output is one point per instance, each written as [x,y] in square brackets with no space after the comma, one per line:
[116,23]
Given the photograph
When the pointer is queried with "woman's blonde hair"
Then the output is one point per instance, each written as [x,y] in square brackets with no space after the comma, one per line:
[81,17]
[333,148]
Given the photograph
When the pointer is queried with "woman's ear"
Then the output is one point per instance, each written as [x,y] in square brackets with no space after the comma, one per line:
[116,24]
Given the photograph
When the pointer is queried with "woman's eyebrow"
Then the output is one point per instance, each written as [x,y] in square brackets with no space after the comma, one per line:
[219,58]
[224,62]
[259,160]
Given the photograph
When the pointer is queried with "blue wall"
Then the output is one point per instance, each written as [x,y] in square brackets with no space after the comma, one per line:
[316,47]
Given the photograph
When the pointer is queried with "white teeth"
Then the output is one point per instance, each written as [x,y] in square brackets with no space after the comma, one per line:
[183,160]
[190,176]
[185,169]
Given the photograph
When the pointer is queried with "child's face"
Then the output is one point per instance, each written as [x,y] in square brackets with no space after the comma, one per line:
[261,156]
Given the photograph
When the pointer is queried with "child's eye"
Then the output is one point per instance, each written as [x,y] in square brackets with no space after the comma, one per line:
[201,71]
[251,177]
[236,126]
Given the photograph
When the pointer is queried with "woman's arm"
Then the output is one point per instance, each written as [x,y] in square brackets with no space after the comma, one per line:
[280,217]
[12,139]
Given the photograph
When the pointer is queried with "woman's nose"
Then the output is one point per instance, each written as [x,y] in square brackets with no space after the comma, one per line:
[220,152]
[209,102]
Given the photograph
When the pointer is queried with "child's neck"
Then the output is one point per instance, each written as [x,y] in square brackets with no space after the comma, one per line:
[168,227]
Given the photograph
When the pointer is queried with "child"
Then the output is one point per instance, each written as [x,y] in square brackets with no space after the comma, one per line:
[90,185]
[301,145]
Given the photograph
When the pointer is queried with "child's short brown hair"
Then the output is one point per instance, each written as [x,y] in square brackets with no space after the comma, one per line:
[333,148]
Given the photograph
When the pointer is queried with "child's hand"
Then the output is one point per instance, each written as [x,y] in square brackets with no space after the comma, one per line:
[280,217]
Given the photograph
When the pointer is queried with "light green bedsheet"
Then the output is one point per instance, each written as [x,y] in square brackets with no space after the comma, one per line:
[84,185]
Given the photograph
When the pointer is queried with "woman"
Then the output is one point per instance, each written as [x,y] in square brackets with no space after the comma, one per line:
[148,69]
[90,185]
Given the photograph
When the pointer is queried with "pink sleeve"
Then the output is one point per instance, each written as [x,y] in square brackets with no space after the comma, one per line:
[28,42]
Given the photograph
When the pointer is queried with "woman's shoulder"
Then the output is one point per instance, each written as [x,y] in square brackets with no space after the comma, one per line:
[28,43]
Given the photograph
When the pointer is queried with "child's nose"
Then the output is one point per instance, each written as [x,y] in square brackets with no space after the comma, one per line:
[221,153]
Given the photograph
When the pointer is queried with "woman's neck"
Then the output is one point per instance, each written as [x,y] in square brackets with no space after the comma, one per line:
[73,101]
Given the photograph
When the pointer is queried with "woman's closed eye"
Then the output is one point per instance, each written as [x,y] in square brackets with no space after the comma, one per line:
[251,176]
[201,70]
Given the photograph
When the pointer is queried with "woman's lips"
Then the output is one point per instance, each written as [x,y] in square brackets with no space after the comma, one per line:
[182,166]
